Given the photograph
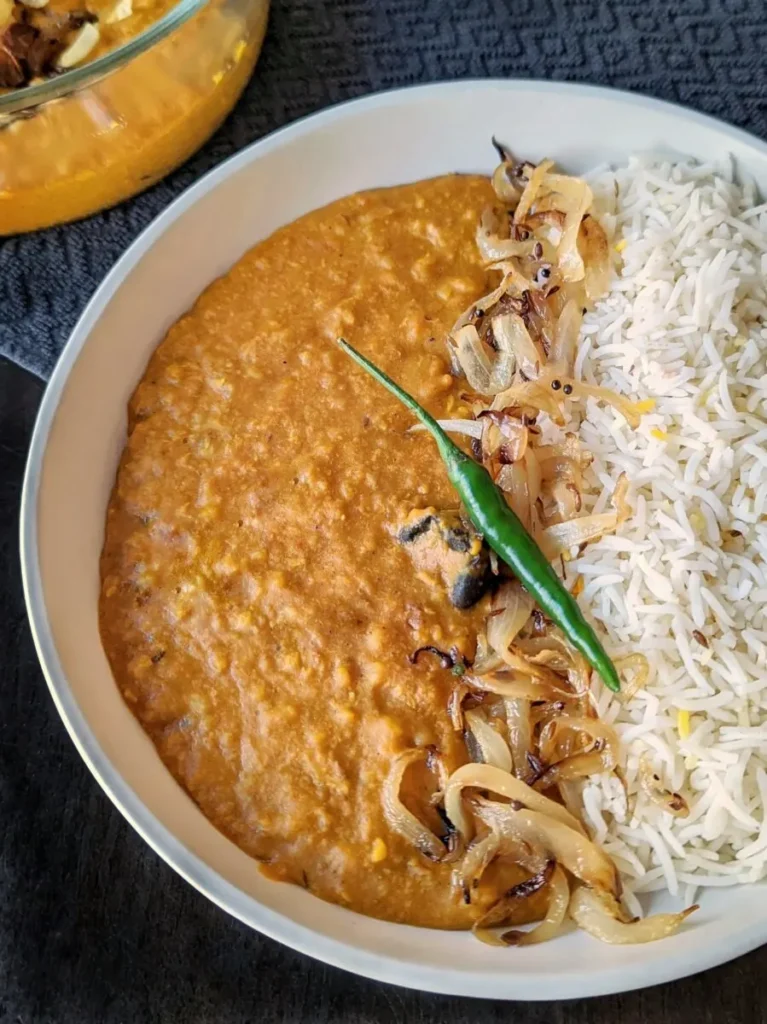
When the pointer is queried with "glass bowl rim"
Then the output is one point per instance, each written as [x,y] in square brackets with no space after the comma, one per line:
[77,78]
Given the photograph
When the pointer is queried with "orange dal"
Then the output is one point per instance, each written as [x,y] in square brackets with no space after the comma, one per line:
[256,609]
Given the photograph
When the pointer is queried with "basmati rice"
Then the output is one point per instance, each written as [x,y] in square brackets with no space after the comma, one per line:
[684,324]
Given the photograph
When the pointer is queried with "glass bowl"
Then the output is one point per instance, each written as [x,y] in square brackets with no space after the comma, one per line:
[93,136]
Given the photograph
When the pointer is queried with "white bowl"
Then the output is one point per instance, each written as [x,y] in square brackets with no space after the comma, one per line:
[384,140]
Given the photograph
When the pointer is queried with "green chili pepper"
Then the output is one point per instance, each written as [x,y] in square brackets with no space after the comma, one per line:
[499,525]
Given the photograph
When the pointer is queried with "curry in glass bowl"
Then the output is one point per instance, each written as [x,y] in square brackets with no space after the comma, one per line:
[99,99]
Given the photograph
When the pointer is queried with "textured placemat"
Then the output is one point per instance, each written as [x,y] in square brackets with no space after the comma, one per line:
[708,54]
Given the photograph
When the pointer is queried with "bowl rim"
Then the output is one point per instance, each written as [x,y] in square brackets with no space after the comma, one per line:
[193,869]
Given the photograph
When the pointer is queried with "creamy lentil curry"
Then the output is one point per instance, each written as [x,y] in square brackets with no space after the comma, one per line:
[257,610]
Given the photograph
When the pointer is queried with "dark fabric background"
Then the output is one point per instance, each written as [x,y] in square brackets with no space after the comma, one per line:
[708,54]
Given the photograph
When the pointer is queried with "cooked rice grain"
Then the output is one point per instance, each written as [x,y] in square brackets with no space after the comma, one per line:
[683,324]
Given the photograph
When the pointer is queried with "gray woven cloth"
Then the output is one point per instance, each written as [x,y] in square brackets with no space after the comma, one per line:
[707,54]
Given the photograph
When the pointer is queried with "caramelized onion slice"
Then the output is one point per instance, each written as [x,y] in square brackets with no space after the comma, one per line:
[484,776]
[546,224]
[473,358]
[471,428]
[550,927]
[569,448]
[549,656]
[513,481]
[653,788]
[562,499]
[533,468]
[574,197]
[640,666]
[510,332]
[577,766]
[561,537]
[595,253]
[551,650]
[599,914]
[510,434]
[572,797]
[490,743]
[468,874]
[506,185]
[472,312]
[455,705]
[561,738]
[512,606]
[504,908]
[516,283]
[531,394]
[400,819]
[520,734]
[533,187]
[567,845]
[490,938]
[515,686]
[562,469]
[577,390]
[534,667]
[486,375]
[632,411]
[563,348]
[492,247]
[486,659]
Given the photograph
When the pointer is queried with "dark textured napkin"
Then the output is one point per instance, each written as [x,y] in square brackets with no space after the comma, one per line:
[708,54]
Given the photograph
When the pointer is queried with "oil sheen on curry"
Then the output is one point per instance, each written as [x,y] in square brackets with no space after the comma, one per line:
[280,542]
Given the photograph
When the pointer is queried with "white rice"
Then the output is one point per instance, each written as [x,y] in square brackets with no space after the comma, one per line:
[683,325]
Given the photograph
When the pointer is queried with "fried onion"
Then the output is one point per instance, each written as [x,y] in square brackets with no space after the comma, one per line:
[484,776]
[600,915]
[651,785]
[567,845]
[491,744]
[400,819]
[556,912]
